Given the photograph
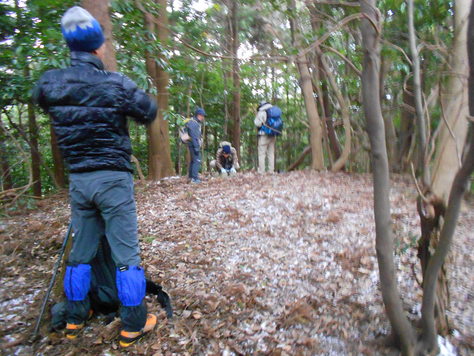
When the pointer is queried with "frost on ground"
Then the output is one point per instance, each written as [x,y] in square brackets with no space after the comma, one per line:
[274,264]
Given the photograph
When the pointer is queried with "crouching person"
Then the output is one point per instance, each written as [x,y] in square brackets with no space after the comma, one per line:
[89,108]
[226,162]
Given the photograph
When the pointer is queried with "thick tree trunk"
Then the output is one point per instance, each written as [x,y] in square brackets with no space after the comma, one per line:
[465,37]
[455,99]
[100,10]
[402,329]
[159,151]
[446,165]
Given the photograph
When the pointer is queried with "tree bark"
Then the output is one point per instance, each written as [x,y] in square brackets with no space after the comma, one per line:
[342,159]
[234,44]
[58,160]
[100,10]
[446,164]
[159,151]
[458,189]
[315,129]
[407,119]
[300,159]
[423,169]
[402,329]
[6,178]
[455,99]
[34,150]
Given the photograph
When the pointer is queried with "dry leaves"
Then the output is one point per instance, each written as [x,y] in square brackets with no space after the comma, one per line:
[274,264]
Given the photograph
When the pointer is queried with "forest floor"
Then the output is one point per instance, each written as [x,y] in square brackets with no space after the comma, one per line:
[279,264]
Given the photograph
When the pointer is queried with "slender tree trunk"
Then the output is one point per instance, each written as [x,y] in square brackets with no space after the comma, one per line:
[159,150]
[34,150]
[402,329]
[423,169]
[342,159]
[390,132]
[58,160]
[235,76]
[316,135]
[6,178]
[407,120]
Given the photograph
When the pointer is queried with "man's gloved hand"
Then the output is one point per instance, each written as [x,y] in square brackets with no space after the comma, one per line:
[233,171]
[223,171]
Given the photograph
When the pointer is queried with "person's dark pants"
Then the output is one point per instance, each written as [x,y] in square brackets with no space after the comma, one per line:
[102,203]
[195,163]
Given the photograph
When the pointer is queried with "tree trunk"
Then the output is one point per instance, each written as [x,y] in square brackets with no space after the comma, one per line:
[316,139]
[58,160]
[315,129]
[422,168]
[459,186]
[402,329]
[344,105]
[34,150]
[455,99]
[407,126]
[390,132]
[6,178]
[446,165]
[234,37]
[300,159]
[159,158]
[100,10]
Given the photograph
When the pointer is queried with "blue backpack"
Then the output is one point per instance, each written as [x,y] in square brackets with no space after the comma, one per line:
[274,124]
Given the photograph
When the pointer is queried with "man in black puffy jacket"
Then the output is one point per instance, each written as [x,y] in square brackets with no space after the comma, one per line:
[89,108]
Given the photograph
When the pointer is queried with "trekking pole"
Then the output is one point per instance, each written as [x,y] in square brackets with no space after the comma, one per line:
[51,283]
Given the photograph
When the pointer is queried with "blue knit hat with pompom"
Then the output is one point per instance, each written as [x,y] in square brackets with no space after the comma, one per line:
[81,30]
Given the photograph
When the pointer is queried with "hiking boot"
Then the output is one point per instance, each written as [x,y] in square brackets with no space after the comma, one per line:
[128,338]
[73,330]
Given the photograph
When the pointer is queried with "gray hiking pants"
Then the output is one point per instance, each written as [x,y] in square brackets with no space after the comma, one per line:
[102,203]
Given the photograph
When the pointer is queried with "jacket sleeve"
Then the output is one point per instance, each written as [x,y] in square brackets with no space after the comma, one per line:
[194,133]
[138,105]
[218,159]
[236,158]
[260,119]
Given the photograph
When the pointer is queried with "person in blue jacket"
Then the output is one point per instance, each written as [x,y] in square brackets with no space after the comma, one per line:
[89,107]
[193,128]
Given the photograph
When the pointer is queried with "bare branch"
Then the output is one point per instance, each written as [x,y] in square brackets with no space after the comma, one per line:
[347,60]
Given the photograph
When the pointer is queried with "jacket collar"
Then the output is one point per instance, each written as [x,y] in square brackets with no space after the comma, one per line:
[85,59]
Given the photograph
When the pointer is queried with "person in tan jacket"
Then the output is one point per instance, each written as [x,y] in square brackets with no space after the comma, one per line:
[266,143]
[226,162]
